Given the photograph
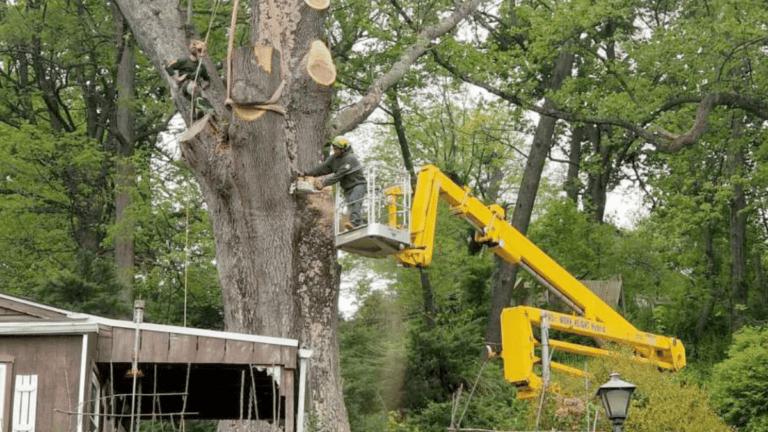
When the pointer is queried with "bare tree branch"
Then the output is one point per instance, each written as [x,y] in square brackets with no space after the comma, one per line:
[663,140]
[359,111]
[706,104]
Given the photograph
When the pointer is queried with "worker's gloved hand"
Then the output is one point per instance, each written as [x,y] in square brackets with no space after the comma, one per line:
[318,184]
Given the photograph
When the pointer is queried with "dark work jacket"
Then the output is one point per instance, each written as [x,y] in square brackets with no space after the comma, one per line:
[187,66]
[346,169]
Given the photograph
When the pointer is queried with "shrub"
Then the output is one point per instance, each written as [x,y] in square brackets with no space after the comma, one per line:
[663,401]
[740,383]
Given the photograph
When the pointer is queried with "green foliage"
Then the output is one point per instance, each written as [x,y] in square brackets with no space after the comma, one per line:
[177,273]
[479,143]
[589,250]
[58,99]
[740,383]
[663,401]
[92,289]
[438,357]
[656,268]
[491,406]
[56,225]
[54,205]
[586,249]
[373,343]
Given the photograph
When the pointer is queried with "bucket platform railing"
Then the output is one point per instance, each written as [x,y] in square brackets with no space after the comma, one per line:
[386,208]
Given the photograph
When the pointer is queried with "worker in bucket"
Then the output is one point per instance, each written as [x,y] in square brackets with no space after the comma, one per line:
[348,172]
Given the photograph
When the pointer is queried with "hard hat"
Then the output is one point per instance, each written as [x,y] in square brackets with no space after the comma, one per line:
[340,142]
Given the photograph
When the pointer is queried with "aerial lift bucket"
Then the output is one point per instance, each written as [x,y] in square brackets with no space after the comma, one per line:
[386,208]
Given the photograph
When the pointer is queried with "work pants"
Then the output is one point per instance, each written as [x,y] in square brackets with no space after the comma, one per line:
[355,198]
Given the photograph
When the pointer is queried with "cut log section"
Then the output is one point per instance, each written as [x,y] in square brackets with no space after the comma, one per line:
[320,64]
[318,5]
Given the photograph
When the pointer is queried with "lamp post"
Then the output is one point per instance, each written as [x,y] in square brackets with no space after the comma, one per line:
[615,395]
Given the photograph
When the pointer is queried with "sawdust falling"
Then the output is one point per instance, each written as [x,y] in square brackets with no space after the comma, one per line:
[323,202]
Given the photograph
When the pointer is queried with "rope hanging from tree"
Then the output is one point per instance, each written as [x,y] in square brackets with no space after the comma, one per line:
[230,45]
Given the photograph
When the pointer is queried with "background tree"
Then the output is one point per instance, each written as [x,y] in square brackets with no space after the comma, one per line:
[59,105]
[619,82]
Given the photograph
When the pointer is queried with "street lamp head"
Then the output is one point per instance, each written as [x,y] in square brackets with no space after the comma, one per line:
[615,395]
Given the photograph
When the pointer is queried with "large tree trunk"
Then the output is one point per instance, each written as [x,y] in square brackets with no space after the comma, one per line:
[506,273]
[738,227]
[712,285]
[126,77]
[275,252]
[597,182]
[572,184]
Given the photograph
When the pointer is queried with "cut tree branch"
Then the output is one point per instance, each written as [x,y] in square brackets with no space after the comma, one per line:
[359,111]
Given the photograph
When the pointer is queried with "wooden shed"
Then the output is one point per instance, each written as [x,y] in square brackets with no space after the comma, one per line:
[67,371]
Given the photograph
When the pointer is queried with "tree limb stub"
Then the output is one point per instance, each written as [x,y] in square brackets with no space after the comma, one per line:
[203,150]
[253,80]
[359,111]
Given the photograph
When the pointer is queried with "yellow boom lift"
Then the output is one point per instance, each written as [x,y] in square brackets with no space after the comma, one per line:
[406,229]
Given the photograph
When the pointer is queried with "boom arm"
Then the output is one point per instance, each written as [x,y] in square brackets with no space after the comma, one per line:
[598,319]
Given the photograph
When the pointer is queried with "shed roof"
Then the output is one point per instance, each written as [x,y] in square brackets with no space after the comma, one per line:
[24,317]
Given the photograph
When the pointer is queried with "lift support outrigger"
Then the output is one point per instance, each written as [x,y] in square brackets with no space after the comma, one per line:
[396,226]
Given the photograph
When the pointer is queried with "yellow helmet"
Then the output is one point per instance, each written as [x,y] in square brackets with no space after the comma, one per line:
[340,142]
